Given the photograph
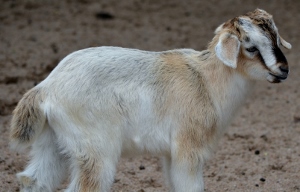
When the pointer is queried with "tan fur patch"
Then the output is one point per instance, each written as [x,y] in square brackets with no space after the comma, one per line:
[260,14]
[26,116]
[170,74]
[89,174]
[186,98]
[231,46]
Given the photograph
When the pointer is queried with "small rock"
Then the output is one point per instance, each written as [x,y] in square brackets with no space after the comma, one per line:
[256,152]
[264,137]
[262,179]
[54,48]
[104,16]
[116,180]
[296,187]
[297,119]
[131,172]
[142,167]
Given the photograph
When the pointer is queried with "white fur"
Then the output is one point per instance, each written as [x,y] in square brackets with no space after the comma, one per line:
[85,113]
[102,103]
[85,122]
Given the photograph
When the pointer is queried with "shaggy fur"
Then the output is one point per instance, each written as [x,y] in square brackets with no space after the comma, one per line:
[102,103]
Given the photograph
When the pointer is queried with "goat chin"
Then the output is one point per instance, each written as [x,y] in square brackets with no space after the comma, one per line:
[102,103]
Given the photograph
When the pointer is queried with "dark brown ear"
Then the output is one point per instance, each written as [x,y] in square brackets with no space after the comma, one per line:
[284,43]
[227,49]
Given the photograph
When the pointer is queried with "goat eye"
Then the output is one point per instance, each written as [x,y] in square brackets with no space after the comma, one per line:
[252,49]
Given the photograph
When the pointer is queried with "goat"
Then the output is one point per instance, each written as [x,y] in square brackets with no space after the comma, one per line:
[100,104]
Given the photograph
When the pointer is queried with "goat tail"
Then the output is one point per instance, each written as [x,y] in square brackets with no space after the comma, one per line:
[28,120]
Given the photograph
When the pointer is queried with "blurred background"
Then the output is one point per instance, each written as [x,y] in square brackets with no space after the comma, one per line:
[260,151]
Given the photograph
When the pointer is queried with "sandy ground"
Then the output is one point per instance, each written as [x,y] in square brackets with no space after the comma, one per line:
[261,150]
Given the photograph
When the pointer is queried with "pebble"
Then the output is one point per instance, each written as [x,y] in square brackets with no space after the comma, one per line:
[297,119]
[142,167]
[104,16]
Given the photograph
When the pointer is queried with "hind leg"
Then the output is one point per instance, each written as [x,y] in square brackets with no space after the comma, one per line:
[93,161]
[47,167]
[90,174]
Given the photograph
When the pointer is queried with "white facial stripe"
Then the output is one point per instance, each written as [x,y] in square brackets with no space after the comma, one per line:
[268,55]
[263,44]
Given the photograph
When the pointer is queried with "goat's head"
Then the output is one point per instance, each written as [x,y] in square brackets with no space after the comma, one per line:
[250,43]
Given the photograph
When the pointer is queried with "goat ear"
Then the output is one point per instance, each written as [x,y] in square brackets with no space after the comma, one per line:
[219,28]
[227,49]
[285,43]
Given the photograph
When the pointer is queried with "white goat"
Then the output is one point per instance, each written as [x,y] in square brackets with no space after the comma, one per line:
[102,103]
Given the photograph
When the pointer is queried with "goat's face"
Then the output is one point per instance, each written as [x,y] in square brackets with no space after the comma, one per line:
[250,43]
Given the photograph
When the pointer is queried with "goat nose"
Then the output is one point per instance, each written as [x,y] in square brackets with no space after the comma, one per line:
[284,69]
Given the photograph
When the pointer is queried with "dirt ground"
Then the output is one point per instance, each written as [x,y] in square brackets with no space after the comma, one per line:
[260,151]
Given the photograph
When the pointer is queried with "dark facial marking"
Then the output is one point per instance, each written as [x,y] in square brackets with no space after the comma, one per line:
[276,81]
[280,58]
[264,21]
[238,30]
[240,22]
[247,39]
[268,31]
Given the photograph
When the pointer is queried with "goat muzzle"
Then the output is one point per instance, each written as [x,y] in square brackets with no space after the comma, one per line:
[284,71]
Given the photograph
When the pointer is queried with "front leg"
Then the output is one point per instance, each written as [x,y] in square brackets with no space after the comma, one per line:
[186,175]
[191,148]
[166,160]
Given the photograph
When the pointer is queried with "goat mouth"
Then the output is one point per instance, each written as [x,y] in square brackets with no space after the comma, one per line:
[279,77]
